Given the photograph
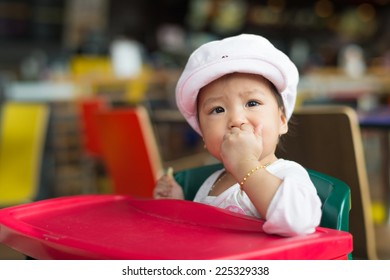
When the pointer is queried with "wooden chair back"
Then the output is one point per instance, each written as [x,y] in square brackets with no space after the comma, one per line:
[327,139]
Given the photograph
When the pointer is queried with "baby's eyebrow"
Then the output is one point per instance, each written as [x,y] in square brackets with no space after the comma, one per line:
[251,92]
[211,100]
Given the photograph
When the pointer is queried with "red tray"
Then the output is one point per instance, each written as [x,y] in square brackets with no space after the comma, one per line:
[119,227]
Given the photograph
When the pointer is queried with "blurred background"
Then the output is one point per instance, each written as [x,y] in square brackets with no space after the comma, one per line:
[129,52]
[39,37]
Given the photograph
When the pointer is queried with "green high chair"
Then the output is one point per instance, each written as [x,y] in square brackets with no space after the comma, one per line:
[334,194]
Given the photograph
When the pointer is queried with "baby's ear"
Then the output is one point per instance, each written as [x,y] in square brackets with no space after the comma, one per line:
[283,124]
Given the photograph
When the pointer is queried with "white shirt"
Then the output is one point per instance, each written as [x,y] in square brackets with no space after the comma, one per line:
[295,208]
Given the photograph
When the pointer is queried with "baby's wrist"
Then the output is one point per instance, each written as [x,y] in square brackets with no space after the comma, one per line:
[243,167]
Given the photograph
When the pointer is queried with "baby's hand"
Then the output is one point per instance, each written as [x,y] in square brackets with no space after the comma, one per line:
[167,187]
[241,144]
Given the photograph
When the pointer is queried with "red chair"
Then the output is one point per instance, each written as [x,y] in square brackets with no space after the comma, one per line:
[92,163]
[88,109]
[129,151]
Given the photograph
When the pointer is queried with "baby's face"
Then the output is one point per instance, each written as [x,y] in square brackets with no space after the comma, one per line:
[237,99]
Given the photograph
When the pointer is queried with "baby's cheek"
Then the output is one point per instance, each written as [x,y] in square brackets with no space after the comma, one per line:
[259,129]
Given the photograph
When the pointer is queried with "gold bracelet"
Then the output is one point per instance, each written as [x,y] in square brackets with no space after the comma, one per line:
[250,173]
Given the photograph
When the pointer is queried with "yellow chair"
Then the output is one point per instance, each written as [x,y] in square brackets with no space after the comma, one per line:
[23,132]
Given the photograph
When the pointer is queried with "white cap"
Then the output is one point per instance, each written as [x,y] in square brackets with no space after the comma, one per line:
[244,53]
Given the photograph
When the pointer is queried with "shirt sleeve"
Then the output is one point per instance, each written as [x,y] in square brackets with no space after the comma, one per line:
[296,208]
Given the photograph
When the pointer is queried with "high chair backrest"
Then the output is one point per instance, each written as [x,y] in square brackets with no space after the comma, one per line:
[23,134]
[328,139]
[334,194]
[129,151]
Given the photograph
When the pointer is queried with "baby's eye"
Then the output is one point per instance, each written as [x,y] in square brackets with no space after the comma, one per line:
[217,110]
[252,103]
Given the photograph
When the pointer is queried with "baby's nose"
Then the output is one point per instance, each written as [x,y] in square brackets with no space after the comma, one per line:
[236,120]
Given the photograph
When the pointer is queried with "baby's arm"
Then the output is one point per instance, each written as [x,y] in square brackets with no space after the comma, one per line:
[260,185]
[292,206]
[296,207]
[241,150]
[167,188]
